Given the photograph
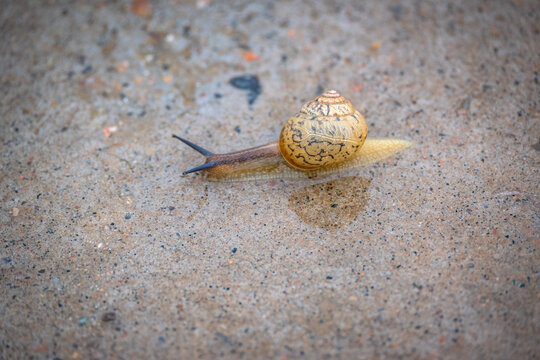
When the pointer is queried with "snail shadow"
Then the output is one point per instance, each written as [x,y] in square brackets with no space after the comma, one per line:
[332,204]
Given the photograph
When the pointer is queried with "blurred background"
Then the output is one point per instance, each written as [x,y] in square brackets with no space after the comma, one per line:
[108,252]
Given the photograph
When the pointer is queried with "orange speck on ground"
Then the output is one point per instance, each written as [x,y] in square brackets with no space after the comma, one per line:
[291,32]
[376,45]
[107,131]
[167,78]
[138,79]
[42,348]
[141,8]
[180,307]
[122,66]
[357,88]
[527,230]
[250,56]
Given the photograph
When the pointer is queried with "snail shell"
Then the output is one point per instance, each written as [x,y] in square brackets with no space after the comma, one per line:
[326,131]
[326,136]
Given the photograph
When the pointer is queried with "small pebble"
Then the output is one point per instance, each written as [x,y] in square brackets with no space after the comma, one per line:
[87,70]
[107,131]
[109,316]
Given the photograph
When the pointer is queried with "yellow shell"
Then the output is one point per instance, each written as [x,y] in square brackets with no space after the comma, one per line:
[327,131]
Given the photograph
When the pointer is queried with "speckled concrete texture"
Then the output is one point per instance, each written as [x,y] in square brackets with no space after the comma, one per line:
[108,252]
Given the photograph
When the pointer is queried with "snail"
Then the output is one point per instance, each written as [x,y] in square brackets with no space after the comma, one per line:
[326,136]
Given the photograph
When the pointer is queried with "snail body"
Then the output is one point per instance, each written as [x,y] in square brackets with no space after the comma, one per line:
[327,135]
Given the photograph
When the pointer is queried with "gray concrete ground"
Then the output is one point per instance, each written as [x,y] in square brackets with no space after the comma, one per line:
[108,252]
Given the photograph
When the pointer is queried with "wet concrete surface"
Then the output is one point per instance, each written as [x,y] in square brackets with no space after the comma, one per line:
[108,252]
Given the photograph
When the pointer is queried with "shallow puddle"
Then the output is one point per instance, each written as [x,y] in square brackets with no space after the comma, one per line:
[331,204]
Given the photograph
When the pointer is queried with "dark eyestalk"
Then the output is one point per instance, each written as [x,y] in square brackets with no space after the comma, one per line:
[205,166]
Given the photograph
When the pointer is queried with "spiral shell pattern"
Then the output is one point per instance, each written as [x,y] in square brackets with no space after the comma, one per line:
[326,131]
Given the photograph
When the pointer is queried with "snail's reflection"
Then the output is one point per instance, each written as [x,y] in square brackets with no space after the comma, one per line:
[332,204]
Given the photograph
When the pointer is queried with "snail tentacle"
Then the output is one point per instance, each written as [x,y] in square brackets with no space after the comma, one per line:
[194,146]
[205,166]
